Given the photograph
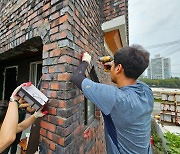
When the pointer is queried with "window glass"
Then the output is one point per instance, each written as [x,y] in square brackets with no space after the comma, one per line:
[89,106]
[35,72]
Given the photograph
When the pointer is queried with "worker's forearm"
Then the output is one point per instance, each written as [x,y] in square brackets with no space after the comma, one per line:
[9,126]
[79,75]
[26,123]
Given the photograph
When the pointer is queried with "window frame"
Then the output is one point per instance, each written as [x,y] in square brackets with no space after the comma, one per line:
[30,72]
[4,75]
[91,118]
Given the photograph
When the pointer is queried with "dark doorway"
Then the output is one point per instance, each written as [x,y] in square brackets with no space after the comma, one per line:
[10,81]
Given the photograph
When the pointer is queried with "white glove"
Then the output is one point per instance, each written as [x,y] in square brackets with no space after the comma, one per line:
[14,96]
[39,113]
[86,57]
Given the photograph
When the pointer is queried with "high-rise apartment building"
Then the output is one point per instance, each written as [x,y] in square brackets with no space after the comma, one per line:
[159,68]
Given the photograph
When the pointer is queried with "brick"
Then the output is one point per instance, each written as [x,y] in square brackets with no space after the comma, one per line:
[69,68]
[54,102]
[62,104]
[55,52]
[67,122]
[65,131]
[52,145]
[77,130]
[54,16]
[52,119]
[61,141]
[32,16]
[59,20]
[62,59]
[67,140]
[47,126]
[45,85]
[48,61]
[60,149]
[60,121]
[59,68]
[67,112]
[51,69]
[65,2]
[66,95]
[54,30]
[65,26]
[55,138]
[50,46]
[63,85]
[54,85]
[43,132]
[63,18]
[64,76]
[53,94]
[53,37]
[51,110]
[49,151]
[38,23]
[47,6]
[44,142]
[47,76]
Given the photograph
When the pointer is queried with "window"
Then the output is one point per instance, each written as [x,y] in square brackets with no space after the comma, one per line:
[35,72]
[89,106]
[89,111]
[10,81]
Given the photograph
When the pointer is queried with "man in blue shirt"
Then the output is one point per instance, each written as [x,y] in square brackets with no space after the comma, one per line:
[127,107]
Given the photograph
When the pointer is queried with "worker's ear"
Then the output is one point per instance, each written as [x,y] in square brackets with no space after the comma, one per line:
[119,68]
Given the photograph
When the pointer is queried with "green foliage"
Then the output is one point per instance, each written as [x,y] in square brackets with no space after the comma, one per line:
[169,83]
[157,100]
[173,143]
[157,141]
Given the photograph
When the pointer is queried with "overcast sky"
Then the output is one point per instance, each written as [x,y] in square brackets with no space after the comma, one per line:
[155,24]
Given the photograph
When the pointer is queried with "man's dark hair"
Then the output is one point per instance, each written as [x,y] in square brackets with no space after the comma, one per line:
[134,59]
[3,110]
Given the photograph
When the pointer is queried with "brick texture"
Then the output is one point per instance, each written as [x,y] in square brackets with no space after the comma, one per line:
[113,8]
[66,28]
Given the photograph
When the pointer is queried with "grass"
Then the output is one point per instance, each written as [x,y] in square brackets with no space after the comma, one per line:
[157,100]
[173,143]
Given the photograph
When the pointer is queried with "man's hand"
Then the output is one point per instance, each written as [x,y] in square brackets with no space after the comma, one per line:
[86,57]
[107,66]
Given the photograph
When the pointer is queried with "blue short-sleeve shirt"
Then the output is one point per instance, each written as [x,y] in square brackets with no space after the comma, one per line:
[127,115]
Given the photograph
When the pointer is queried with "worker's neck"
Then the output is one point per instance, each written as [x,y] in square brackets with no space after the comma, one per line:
[124,81]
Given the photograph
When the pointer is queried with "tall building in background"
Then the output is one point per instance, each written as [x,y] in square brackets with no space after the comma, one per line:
[159,68]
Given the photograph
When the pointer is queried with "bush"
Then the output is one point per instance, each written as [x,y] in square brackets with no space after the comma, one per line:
[173,143]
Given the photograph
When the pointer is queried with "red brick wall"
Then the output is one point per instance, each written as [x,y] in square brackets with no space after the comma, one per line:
[113,8]
[67,28]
